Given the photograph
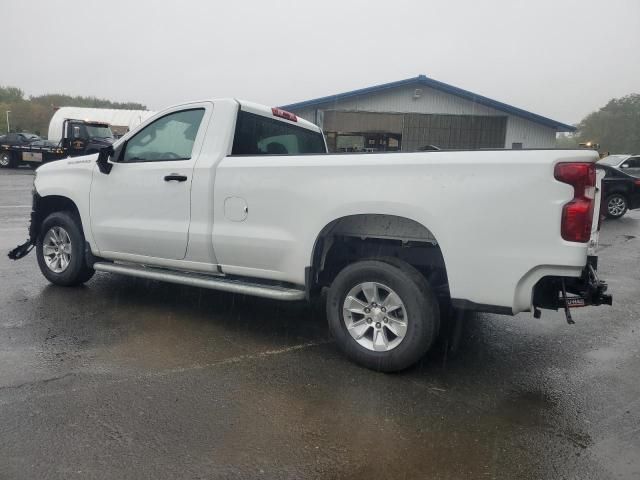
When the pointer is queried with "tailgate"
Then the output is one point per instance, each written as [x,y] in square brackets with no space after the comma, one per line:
[595,224]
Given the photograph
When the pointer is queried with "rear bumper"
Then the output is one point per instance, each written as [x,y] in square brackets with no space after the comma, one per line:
[555,292]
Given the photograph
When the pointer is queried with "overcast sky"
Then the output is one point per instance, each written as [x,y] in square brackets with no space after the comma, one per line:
[558,58]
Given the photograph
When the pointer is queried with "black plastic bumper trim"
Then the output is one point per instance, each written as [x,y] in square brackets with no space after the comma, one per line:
[462,304]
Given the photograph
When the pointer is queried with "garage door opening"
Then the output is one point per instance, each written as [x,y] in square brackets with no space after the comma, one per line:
[365,142]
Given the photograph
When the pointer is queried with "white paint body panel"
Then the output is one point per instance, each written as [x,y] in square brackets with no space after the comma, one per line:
[70,178]
[495,214]
[135,211]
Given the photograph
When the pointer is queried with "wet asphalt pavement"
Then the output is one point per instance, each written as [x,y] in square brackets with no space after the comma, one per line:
[128,378]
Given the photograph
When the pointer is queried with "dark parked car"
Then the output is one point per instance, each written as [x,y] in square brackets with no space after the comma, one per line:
[620,192]
[19,138]
[629,163]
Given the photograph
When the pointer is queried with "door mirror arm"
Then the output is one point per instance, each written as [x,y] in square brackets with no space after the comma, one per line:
[103,160]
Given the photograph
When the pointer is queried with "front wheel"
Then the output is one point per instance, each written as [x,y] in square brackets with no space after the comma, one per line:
[7,160]
[60,250]
[383,315]
[616,205]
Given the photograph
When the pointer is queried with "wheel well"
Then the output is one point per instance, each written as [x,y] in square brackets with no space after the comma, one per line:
[372,236]
[622,194]
[44,206]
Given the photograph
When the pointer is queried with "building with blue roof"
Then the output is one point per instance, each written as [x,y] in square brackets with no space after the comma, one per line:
[419,113]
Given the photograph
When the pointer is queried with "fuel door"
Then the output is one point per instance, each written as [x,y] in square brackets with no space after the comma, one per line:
[236,209]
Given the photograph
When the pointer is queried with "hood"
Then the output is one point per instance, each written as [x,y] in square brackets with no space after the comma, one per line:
[85,162]
[67,177]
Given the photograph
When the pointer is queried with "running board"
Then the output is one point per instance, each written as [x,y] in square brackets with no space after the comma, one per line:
[198,280]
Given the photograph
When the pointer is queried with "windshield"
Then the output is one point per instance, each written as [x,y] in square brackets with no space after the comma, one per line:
[99,131]
[613,160]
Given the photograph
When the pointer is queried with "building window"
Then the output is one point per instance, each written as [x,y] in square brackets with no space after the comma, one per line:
[516,145]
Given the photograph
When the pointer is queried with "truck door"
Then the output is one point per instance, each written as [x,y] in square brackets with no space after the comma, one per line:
[77,138]
[143,206]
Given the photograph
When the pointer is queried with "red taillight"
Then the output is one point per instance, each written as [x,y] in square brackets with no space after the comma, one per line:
[577,215]
[278,112]
[637,182]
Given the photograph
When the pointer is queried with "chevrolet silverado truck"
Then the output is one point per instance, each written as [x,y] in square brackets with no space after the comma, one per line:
[234,196]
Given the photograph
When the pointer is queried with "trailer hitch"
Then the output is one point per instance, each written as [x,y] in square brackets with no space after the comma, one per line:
[591,292]
[567,293]
[565,302]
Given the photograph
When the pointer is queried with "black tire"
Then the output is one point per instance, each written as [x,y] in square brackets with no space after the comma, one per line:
[616,205]
[7,160]
[77,271]
[420,303]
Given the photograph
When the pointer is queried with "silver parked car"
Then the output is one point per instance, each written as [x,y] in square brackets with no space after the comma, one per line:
[630,164]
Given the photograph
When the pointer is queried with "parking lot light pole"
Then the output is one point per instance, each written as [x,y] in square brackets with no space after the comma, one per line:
[8,127]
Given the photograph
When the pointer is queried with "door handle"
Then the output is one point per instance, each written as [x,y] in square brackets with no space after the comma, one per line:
[175,177]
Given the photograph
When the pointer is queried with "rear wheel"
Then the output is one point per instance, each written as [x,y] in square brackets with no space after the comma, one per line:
[616,205]
[383,315]
[7,160]
[61,250]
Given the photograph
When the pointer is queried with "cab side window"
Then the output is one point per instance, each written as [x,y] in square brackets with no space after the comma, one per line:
[168,138]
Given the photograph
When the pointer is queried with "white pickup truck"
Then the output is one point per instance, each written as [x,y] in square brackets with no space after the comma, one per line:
[230,195]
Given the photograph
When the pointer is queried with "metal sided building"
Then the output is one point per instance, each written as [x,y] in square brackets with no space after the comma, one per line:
[417,113]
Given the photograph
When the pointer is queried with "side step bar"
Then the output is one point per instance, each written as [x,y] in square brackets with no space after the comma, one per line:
[198,280]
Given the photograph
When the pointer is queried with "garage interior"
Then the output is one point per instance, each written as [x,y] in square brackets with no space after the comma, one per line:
[409,132]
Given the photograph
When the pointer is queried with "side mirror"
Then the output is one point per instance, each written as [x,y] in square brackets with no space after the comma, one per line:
[624,165]
[103,160]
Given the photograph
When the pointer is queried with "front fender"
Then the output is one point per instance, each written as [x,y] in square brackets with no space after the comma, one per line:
[68,179]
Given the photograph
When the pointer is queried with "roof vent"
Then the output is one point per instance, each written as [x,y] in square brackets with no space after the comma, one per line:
[417,93]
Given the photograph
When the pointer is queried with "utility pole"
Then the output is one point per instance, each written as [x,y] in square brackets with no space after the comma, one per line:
[8,126]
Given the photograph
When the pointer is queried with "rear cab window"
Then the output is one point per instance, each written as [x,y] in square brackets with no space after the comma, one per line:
[260,135]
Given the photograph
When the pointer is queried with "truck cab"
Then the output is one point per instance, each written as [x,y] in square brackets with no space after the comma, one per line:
[75,138]
[82,137]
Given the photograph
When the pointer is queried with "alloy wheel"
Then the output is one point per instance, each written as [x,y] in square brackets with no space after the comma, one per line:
[56,249]
[375,316]
[616,206]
